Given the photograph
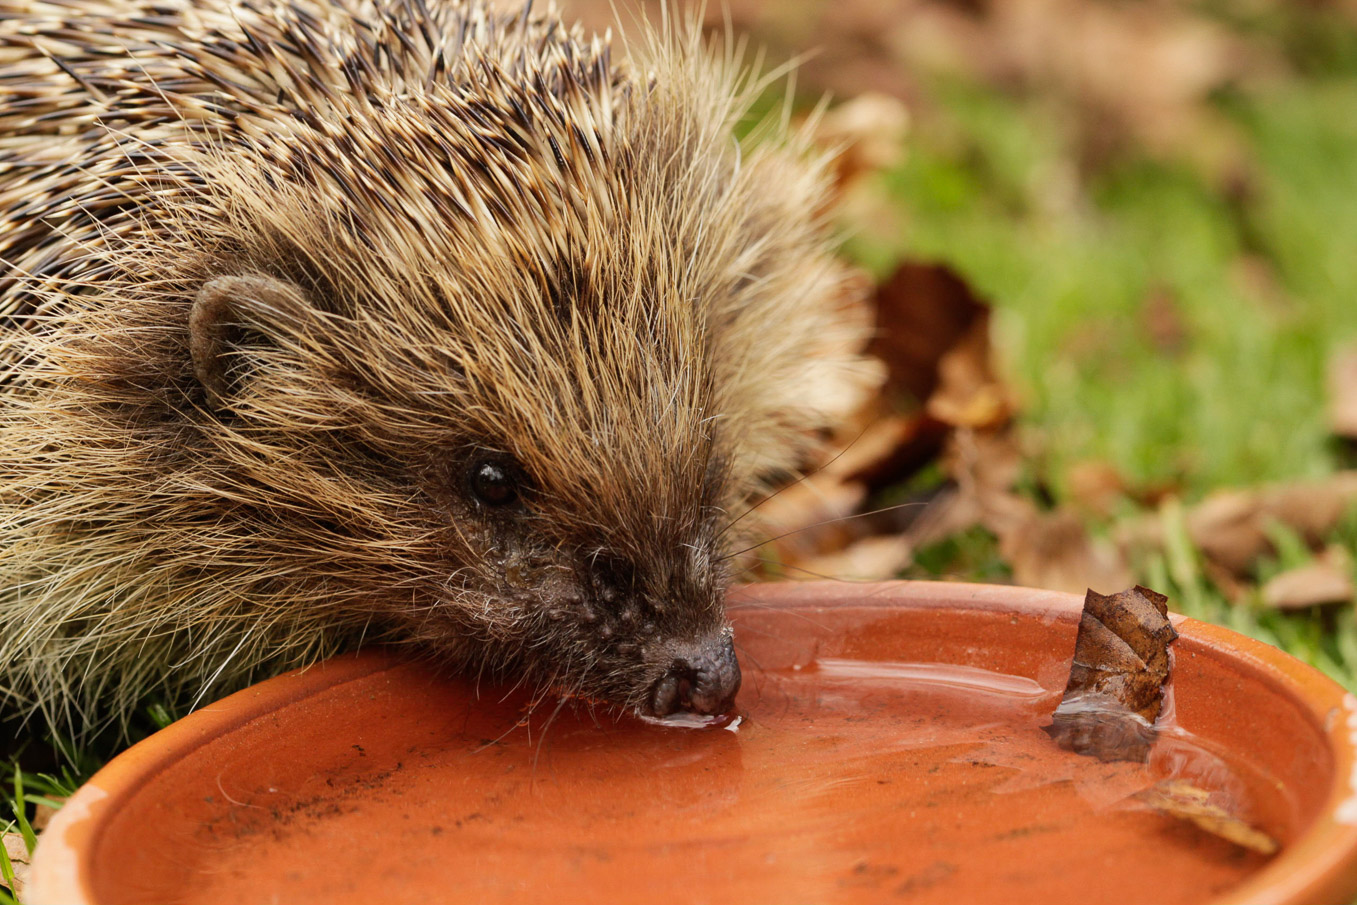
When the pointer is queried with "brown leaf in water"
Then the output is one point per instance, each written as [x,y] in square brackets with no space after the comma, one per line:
[1116,684]
[1326,579]
[1181,799]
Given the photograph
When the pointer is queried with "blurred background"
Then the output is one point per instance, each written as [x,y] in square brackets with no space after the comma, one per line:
[1112,246]
[1112,252]
[1115,254]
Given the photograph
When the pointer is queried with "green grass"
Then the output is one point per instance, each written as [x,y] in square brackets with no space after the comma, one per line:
[46,771]
[29,790]
[1154,312]
[1324,637]
[6,871]
[1261,287]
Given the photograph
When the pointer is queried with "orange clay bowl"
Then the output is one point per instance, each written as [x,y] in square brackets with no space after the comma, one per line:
[888,748]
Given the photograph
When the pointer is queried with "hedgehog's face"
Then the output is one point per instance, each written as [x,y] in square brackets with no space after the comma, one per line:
[593,596]
[558,513]
[590,497]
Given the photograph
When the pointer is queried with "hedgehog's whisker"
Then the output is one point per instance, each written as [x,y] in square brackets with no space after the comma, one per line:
[821,524]
[800,479]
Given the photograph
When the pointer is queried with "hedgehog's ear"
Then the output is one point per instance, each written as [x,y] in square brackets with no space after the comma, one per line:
[228,313]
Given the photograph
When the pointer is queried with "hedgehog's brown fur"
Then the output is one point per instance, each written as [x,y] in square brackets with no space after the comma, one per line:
[470,232]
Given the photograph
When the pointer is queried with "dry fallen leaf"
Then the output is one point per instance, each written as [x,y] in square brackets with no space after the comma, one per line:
[933,336]
[815,512]
[1181,799]
[1083,51]
[1116,684]
[1343,392]
[1164,323]
[1054,550]
[934,343]
[968,392]
[867,136]
[811,517]
[43,814]
[868,133]
[1045,549]
[923,311]
[934,340]
[918,440]
[18,859]
[1095,487]
[870,559]
[1326,579]
[1235,589]
[1231,527]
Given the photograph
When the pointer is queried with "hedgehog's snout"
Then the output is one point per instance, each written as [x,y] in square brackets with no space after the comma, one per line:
[702,679]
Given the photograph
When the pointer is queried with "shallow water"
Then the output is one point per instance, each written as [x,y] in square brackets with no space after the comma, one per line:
[842,780]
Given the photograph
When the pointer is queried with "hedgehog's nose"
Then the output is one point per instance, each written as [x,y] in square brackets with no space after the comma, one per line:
[703,679]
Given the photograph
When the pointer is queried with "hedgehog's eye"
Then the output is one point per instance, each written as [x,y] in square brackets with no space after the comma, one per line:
[494,483]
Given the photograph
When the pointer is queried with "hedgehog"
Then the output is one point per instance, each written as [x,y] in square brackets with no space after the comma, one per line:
[420,322]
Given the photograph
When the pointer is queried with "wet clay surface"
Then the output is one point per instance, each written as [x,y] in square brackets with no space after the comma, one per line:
[850,776]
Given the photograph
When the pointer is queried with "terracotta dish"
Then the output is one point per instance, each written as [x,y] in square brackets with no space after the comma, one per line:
[888,748]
